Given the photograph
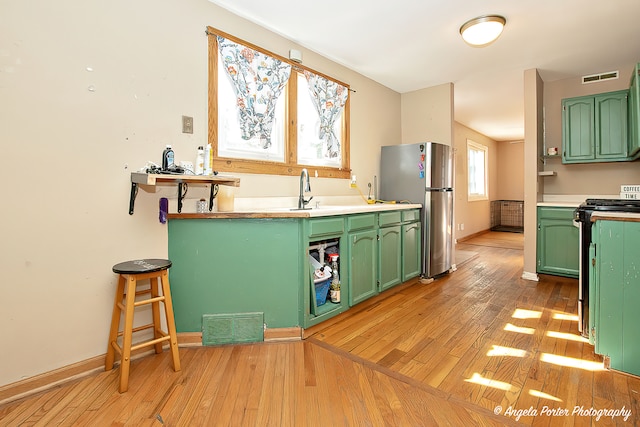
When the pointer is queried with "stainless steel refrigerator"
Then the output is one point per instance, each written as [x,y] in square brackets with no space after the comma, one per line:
[423,173]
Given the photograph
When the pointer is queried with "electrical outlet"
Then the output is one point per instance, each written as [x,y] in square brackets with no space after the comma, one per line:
[187,124]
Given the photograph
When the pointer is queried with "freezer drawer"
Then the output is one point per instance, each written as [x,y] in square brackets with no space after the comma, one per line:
[438,234]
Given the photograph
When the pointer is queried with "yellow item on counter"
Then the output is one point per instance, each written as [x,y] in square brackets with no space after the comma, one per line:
[370,201]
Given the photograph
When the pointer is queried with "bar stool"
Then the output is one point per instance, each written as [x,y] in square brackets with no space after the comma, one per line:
[131,272]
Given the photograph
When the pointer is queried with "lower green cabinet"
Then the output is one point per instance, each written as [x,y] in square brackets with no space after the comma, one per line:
[362,265]
[231,266]
[389,249]
[557,242]
[614,290]
[390,256]
[399,247]
[411,251]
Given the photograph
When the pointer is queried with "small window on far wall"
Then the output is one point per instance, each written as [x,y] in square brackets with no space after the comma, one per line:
[477,155]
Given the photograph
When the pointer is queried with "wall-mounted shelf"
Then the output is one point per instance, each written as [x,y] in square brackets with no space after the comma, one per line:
[140,178]
[545,157]
[547,173]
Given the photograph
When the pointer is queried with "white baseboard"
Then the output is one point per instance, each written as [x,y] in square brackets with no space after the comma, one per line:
[526,275]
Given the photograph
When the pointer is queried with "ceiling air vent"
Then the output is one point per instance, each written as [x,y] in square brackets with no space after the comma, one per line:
[594,78]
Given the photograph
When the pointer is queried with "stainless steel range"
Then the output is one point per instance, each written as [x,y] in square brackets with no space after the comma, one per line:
[582,217]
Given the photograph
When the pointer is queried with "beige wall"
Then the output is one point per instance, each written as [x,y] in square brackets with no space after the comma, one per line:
[475,215]
[510,175]
[69,152]
[427,115]
[583,179]
[533,184]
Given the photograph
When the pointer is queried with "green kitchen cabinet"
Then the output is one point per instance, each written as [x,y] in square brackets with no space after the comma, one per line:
[230,266]
[614,289]
[246,265]
[390,249]
[328,231]
[362,249]
[634,112]
[399,247]
[557,242]
[595,128]
[578,129]
[411,245]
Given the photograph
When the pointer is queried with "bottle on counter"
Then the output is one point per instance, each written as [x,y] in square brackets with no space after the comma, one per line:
[208,160]
[167,158]
[200,161]
[334,289]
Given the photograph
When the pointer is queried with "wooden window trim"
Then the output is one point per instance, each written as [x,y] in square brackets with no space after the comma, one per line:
[290,165]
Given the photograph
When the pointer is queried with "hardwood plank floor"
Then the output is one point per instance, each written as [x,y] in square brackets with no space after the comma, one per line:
[279,384]
[490,338]
[446,353]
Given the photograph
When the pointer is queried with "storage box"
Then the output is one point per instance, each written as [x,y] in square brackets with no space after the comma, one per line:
[321,283]
[322,290]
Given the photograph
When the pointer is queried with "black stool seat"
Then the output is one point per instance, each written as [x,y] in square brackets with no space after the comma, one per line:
[141,266]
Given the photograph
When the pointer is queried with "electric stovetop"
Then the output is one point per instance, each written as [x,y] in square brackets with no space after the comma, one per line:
[617,205]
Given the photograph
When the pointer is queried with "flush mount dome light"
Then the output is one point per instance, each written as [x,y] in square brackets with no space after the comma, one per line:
[482,30]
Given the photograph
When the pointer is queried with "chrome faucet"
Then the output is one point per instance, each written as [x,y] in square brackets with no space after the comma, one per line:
[305,186]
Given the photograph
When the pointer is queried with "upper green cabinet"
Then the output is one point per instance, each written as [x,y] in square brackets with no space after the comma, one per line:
[578,130]
[595,128]
[634,112]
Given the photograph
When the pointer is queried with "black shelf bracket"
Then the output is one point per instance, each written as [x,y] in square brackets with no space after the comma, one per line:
[181,194]
[132,197]
[212,195]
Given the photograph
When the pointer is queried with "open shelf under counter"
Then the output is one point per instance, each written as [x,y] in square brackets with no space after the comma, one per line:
[142,178]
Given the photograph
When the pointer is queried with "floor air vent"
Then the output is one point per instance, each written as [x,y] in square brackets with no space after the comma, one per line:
[594,78]
[232,328]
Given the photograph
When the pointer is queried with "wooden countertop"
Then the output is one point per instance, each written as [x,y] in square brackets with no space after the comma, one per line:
[288,212]
[153,179]
[615,216]
[559,204]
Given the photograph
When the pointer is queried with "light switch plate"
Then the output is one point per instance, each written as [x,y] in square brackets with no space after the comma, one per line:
[187,124]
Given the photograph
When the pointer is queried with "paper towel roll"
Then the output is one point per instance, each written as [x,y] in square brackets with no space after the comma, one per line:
[225,199]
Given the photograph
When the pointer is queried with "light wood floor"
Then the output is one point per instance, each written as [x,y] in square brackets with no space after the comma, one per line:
[446,353]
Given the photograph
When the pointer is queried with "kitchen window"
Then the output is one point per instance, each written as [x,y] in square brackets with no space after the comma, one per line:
[477,156]
[269,115]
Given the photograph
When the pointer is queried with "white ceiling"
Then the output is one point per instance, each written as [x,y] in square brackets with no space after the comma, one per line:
[413,44]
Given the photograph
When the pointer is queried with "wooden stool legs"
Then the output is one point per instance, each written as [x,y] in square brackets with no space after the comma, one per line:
[171,323]
[129,282]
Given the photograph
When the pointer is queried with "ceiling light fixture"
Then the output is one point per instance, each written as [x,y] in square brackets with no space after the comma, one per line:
[483,30]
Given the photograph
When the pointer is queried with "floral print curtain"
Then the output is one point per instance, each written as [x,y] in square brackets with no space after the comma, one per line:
[329,99]
[258,80]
